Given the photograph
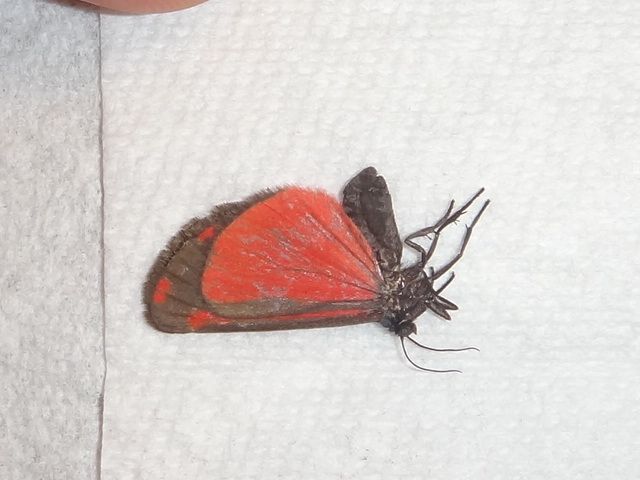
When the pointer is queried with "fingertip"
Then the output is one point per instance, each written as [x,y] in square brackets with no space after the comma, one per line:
[144,6]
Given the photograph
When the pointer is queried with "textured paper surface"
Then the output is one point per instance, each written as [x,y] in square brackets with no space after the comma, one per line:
[51,360]
[536,101]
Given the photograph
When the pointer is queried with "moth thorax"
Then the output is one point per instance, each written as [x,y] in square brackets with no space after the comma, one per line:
[403,302]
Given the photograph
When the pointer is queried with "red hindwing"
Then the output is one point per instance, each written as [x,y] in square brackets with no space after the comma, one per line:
[297,246]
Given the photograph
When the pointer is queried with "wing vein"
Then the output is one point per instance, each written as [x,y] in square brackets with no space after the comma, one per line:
[312,272]
[341,242]
[323,229]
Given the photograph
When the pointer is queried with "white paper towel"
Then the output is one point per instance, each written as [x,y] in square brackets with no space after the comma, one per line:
[51,358]
[536,101]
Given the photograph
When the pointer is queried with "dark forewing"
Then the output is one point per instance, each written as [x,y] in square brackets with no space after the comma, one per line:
[173,291]
[367,201]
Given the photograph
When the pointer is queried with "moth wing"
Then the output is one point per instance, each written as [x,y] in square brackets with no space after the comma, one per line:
[293,260]
[367,201]
[173,291]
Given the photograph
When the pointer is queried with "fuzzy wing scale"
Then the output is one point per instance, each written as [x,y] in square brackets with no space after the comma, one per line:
[174,291]
[296,252]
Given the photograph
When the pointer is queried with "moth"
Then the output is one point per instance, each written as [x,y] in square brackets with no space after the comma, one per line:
[295,257]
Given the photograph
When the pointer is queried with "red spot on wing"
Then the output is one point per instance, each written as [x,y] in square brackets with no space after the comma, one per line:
[207,234]
[298,244]
[163,287]
[201,319]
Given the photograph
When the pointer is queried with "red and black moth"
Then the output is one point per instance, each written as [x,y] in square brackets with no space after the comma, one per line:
[297,258]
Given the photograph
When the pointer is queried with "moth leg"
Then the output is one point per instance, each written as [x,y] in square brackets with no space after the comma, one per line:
[439,272]
[447,219]
[425,232]
[441,288]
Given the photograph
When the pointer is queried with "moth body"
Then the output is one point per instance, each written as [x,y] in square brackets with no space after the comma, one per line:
[298,258]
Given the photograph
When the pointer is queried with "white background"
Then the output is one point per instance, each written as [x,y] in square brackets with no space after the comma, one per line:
[536,101]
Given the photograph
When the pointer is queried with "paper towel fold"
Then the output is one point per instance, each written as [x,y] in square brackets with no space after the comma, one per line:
[51,357]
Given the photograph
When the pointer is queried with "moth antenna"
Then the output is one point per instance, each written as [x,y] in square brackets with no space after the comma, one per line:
[445,284]
[404,349]
[441,349]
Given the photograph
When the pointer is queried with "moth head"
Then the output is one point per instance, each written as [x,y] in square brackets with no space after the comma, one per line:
[405,328]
